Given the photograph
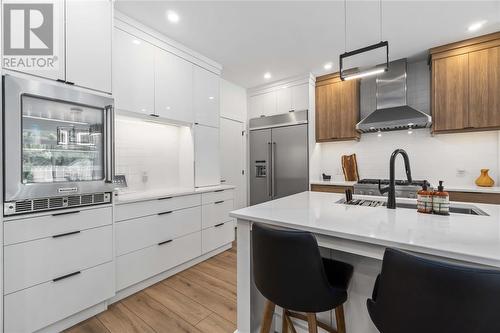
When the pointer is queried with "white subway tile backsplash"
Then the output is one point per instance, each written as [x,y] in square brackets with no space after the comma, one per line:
[454,158]
[149,154]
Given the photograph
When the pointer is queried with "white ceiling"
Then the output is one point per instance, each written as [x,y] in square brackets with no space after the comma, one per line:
[289,38]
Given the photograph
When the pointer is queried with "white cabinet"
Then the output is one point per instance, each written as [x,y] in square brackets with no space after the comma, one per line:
[279,100]
[217,236]
[88,43]
[300,97]
[133,73]
[206,97]
[284,100]
[82,44]
[263,105]
[173,87]
[207,156]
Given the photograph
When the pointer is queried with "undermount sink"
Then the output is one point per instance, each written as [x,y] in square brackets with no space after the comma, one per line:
[456,209]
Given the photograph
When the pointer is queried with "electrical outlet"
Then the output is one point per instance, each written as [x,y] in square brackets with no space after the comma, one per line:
[461,172]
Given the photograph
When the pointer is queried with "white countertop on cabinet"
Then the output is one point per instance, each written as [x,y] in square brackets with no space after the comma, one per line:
[333,182]
[136,196]
[473,188]
[469,238]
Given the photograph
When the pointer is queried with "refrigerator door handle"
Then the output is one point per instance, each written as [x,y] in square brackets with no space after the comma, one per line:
[273,171]
[269,171]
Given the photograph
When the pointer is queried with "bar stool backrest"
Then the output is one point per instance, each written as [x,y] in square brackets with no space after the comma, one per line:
[415,294]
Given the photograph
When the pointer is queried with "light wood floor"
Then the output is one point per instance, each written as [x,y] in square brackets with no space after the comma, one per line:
[199,299]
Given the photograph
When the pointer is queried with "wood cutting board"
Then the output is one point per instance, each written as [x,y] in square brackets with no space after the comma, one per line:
[350,167]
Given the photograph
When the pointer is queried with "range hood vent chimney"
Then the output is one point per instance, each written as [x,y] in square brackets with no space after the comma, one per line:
[393,112]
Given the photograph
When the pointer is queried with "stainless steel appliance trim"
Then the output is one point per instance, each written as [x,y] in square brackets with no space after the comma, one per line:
[285,119]
[269,171]
[13,88]
[274,169]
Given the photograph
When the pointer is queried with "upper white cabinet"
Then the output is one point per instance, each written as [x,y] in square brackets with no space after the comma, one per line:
[206,97]
[263,105]
[133,73]
[278,100]
[82,44]
[207,156]
[88,43]
[300,97]
[173,87]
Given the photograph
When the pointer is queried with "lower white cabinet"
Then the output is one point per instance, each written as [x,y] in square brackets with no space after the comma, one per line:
[140,265]
[217,236]
[142,232]
[36,307]
[38,261]
[157,242]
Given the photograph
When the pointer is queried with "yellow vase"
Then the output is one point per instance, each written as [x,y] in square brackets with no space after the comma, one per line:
[484,179]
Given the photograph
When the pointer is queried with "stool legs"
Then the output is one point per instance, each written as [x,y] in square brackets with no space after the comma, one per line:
[312,323]
[284,322]
[339,317]
[267,319]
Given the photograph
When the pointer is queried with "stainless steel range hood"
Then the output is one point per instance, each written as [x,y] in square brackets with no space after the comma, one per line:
[392,112]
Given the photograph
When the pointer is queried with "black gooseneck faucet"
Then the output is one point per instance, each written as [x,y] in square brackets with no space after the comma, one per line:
[391,200]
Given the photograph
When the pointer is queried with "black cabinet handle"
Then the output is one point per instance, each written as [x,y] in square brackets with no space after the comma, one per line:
[218,202]
[165,213]
[166,198]
[70,83]
[154,115]
[65,276]
[218,225]
[66,213]
[165,242]
[219,191]
[66,234]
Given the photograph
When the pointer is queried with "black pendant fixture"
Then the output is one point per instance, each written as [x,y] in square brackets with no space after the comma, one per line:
[359,72]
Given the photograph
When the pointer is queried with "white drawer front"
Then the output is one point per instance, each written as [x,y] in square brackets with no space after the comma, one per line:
[137,266]
[219,195]
[215,237]
[30,263]
[139,233]
[151,207]
[216,213]
[31,309]
[23,230]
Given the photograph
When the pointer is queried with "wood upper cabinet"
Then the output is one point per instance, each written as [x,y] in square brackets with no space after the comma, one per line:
[484,88]
[450,86]
[337,109]
[466,85]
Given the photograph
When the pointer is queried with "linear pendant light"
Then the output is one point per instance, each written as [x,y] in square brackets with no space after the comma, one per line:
[354,73]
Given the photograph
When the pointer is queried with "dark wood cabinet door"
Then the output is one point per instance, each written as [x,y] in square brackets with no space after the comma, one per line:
[337,109]
[484,88]
[450,91]
[327,111]
[349,109]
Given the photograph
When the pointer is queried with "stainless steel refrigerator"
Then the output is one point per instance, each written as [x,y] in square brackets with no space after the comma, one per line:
[278,156]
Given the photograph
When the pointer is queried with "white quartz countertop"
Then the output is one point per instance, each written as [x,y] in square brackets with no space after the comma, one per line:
[470,238]
[136,196]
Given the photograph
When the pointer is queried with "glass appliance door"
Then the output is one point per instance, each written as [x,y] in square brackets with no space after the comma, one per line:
[61,142]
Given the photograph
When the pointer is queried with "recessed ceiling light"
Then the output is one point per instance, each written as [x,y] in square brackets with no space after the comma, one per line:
[476,26]
[328,66]
[211,97]
[136,41]
[173,16]
[267,76]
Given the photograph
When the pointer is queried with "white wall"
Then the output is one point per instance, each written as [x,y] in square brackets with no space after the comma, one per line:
[153,155]
[454,158]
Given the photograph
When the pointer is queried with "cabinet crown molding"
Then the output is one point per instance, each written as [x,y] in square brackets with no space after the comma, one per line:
[156,38]
[285,83]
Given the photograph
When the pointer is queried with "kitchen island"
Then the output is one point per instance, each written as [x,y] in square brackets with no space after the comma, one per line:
[359,235]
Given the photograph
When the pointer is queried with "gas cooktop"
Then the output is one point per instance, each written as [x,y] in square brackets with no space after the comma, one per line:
[404,189]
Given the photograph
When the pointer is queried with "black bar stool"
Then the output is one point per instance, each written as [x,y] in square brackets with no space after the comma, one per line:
[289,271]
[415,295]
